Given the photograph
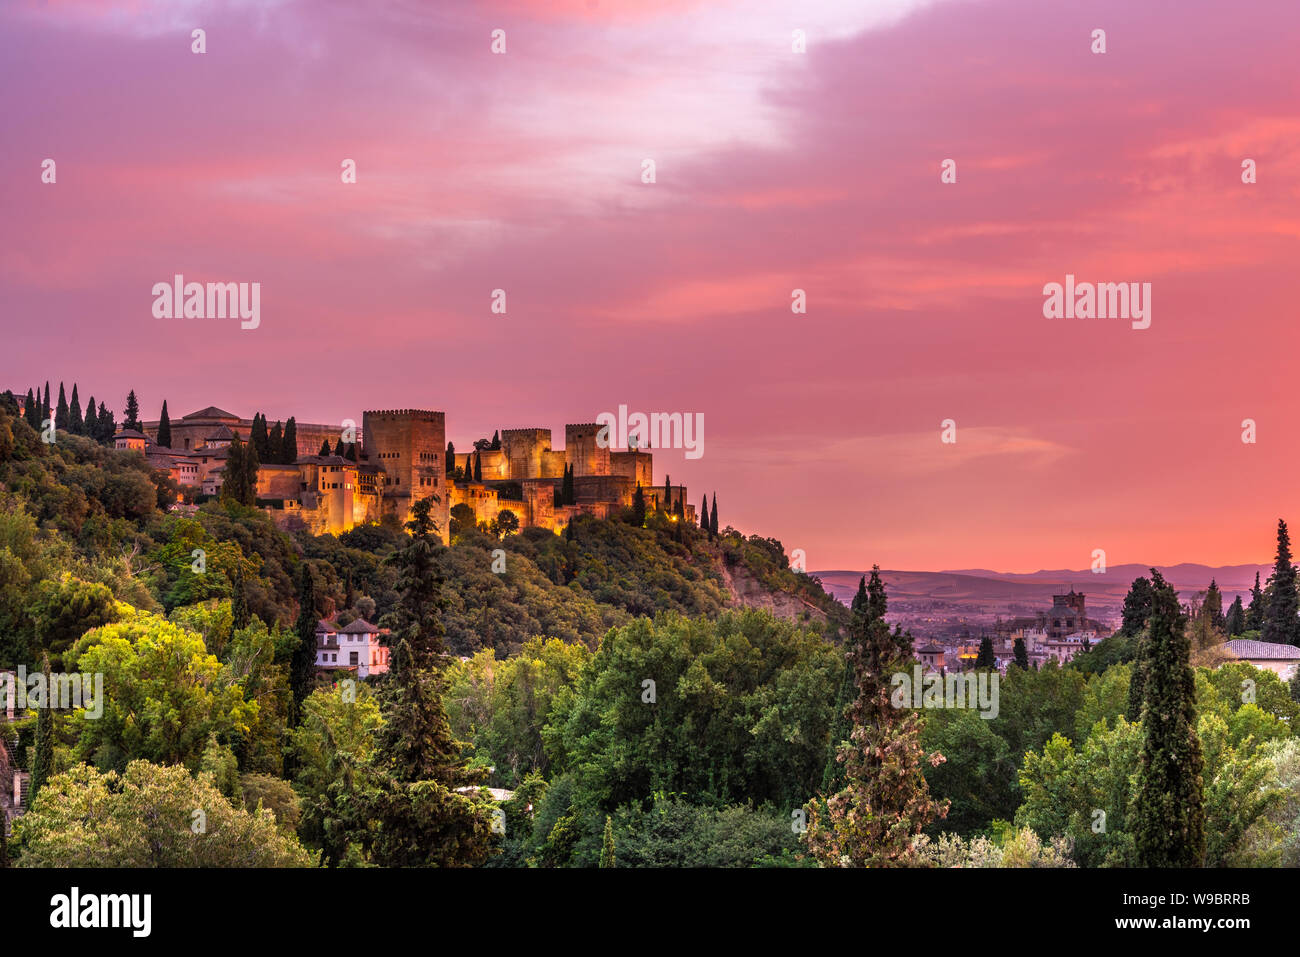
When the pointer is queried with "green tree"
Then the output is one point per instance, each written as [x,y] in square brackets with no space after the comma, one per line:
[130,418]
[478,466]
[1212,606]
[289,443]
[1234,622]
[76,423]
[239,613]
[43,752]
[148,816]
[61,412]
[275,443]
[90,421]
[1021,655]
[302,664]
[107,427]
[713,519]
[1169,814]
[1282,620]
[1137,607]
[638,507]
[1255,613]
[259,438]
[450,463]
[324,447]
[985,660]
[607,844]
[32,411]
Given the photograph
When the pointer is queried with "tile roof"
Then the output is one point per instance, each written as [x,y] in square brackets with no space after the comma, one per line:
[1262,650]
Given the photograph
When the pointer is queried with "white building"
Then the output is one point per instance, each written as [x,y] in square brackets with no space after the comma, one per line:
[352,647]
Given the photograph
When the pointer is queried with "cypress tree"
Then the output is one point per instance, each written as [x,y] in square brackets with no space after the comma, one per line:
[985,659]
[164,428]
[31,410]
[1255,613]
[43,760]
[76,422]
[338,448]
[258,438]
[289,443]
[638,507]
[90,424]
[496,442]
[251,465]
[1022,656]
[1235,621]
[106,424]
[704,514]
[1169,812]
[324,447]
[131,418]
[668,493]
[607,845]
[302,664]
[1212,606]
[45,406]
[234,481]
[713,520]
[275,443]
[353,453]
[61,412]
[478,466]
[1282,620]
[450,465]
[877,602]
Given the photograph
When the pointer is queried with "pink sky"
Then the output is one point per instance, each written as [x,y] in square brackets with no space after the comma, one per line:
[775,170]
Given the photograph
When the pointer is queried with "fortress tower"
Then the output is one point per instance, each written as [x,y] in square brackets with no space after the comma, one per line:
[410,446]
[582,451]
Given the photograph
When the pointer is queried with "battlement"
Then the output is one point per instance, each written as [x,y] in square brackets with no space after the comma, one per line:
[425,415]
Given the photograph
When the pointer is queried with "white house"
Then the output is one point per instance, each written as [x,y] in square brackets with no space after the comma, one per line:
[1281,659]
[354,646]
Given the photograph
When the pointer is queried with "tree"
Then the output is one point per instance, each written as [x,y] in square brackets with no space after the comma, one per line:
[985,659]
[259,438]
[1282,619]
[1022,656]
[43,759]
[338,448]
[1212,606]
[324,447]
[567,494]
[877,602]
[506,523]
[145,817]
[239,615]
[45,406]
[1234,622]
[31,410]
[478,466]
[107,427]
[275,443]
[1137,607]
[1169,811]
[668,494]
[450,464]
[90,423]
[607,845]
[164,427]
[417,765]
[496,442]
[302,664]
[61,413]
[713,520]
[875,819]
[131,418]
[76,422]
[704,514]
[638,507]
[1255,613]
[289,443]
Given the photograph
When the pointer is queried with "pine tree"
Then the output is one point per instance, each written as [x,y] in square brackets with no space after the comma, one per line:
[1169,813]
[1022,656]
[289,443]
[1234,622]
[324,447]
[417,763]
[164,428]
[886,802]
[713,520]
[1255,613]
[607,845]
[478,466]
[1137,608]
[302,664]
[1282,619]
[43,760]
[76,422]
[31,410]
[61,412]
[259,439]
[131,418]
[877,602]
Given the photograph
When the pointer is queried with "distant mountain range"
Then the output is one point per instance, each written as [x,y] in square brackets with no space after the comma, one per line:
[946,602]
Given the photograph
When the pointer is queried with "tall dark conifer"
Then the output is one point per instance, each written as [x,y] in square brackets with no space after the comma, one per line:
[289,443]
[478,466]
[61,411]
[32,410]
[259,439]
[713,519]
[302,663]
[1255,613]
[1282,620]
[164,428]
[76,422]
[1169,812]
[638,507]
[43,757]
[107,426]
[131,418]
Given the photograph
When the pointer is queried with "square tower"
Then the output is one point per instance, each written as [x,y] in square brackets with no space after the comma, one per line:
[410,446]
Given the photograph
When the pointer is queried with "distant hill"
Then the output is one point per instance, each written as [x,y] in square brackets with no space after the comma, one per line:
[948,602]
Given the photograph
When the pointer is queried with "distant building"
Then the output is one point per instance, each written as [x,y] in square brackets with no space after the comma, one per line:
[130,439]
[1067,616]
[932,657]
[352,647]
[1278,658]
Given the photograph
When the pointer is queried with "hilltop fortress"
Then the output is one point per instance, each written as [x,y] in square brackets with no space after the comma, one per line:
[403,457]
